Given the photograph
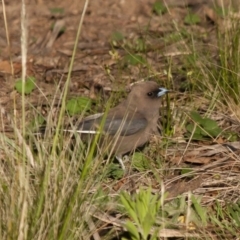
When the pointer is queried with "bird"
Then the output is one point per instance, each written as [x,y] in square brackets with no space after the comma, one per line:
[131,123]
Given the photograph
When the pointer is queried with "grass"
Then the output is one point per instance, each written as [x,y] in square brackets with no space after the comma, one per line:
[54,188]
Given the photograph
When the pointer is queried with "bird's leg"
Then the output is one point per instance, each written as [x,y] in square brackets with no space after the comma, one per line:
[119,158]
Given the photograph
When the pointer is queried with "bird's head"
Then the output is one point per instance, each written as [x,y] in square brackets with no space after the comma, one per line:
[146,91]
[145,96]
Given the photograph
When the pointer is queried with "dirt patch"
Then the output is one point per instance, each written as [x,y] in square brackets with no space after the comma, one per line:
[99,62]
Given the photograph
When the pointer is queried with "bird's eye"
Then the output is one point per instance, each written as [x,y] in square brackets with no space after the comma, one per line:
[150,94]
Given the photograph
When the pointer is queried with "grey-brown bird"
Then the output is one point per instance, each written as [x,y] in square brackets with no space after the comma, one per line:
[130,124]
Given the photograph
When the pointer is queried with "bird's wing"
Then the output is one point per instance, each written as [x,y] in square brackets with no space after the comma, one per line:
[124,127]
[113,125]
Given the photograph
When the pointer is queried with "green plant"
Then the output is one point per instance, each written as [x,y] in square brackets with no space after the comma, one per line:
[159,8]
[233,210]
[134,59]
[202,128]
[114,171]
[192,18]
[187,171]
[142,208]
[140,162]
[116,38]
[223,218]
[29,85]
[37,122]
[57,10]
[78,105]
[226,73]
[191,211]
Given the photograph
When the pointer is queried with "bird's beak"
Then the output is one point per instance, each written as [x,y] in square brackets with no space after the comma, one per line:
[162,91]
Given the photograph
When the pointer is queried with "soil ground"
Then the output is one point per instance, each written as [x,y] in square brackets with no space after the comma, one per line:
[52,27]
[99,66]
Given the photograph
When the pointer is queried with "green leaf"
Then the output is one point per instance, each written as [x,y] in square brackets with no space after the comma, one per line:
[159,8]
[78,105]
[202,213]
[211,127]
[37,122]
[129,205]
[234,212]
[132,230]
[195,136]
[175,208]
[192,127]
[186,170]
[209,124]
[140,45]
[192,18]
[207,127]
[221,11]
[57,10]
[140,162]
[198,137]
[196,117]
[231,136]
[134,59]
[29,85]
[142,203]
[146,226]
[142,208]
[114,171]
[117,36]
[214,132]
